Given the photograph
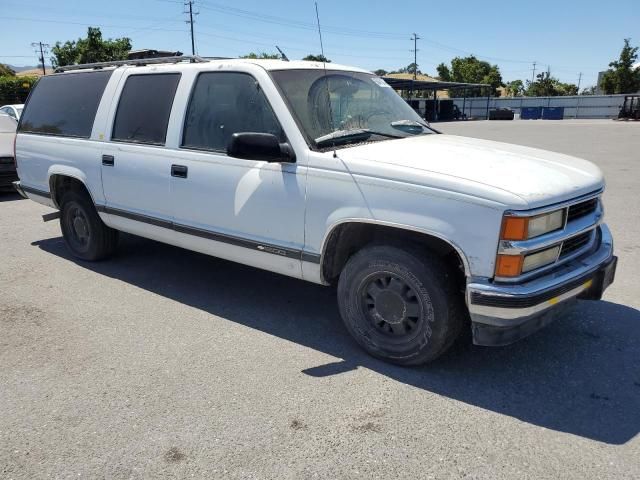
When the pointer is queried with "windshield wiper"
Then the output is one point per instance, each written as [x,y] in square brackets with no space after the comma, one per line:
[409,126]
[340,137]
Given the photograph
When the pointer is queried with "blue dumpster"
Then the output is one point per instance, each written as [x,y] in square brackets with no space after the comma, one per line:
[553,113]
[530,113]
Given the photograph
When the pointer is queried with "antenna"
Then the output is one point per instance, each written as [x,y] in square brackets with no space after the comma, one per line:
[324,67]
[284,57]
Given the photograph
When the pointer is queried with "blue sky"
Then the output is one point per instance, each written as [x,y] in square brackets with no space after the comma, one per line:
[568,36]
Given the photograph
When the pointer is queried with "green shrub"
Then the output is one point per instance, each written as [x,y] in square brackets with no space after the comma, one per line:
[15,89]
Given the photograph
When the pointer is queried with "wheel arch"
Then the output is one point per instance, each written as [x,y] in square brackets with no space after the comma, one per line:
[346,237]
[61,181]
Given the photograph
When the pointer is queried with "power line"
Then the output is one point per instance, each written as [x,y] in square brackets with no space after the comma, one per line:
[246,14]
[43,48]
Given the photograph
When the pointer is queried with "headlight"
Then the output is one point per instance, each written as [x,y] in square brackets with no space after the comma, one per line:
[516,265]
[540,259]
[523,228]
[545,223]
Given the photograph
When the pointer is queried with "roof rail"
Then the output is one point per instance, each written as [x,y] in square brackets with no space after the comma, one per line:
[137,62]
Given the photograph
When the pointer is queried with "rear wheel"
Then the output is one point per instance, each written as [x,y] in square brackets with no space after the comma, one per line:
[85,234]
[400,304]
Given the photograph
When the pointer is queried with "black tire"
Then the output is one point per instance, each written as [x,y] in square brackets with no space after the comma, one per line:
[400,304]
[85,234]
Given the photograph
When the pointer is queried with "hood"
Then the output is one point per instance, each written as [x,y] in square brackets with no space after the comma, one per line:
[521,177]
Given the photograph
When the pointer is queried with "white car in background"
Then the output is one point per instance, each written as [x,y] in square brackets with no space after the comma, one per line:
[13,111]
[8,173]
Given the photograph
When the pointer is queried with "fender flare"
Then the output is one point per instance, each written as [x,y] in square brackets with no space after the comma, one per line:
[399,226]
[67,171]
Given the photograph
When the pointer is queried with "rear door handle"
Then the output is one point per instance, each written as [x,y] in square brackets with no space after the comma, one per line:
[179,171]
[108,160]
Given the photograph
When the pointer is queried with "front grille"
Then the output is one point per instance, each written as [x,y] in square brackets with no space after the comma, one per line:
[582,209]
[575,243]
[6,160]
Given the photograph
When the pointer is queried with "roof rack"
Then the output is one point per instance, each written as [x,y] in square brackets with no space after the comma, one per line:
[137,62]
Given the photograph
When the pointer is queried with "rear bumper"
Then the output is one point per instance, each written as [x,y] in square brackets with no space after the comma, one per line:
[19,189]
[504,313]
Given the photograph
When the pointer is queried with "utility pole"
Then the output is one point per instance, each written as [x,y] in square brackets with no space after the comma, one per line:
[415,39]
[533,75]
[190,22]
[42,49]
[579,80]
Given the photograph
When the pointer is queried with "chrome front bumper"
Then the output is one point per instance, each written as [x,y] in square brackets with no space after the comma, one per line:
[503,313]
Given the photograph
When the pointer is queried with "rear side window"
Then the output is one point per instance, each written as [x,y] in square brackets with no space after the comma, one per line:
[64,104]
[144,108]
[223,103]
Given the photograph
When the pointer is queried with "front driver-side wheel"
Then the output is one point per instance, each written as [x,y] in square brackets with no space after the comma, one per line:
[400,304]
[85,234]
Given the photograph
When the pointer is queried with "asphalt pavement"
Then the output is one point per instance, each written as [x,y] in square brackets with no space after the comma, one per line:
[164,363]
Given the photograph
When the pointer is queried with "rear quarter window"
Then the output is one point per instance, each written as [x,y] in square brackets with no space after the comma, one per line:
[64,104]
[144,108]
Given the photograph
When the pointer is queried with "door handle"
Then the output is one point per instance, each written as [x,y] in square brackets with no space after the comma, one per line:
[179,171]
[108,160]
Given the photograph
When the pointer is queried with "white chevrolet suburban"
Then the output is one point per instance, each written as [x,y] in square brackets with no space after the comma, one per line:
[326,175]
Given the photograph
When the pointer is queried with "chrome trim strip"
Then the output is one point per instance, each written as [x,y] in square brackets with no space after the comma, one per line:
[555,206]
[215,236]
[515,313]
[569,272]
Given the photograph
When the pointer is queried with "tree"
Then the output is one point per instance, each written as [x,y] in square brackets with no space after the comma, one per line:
[548,86]
[471,70]
[589,90]
[90,49]
[316,58]
[515,88]
[6,71]
[262,55]
[408,69]
[380,72]
[444,73]
[622,77]
[413,69]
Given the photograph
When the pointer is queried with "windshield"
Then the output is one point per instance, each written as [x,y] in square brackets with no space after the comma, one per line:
[362,107]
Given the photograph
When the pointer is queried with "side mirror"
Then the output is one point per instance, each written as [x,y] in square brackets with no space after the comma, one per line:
[259,146]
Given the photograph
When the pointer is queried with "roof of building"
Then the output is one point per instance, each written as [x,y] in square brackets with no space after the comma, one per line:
[409,76]
[431,84]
